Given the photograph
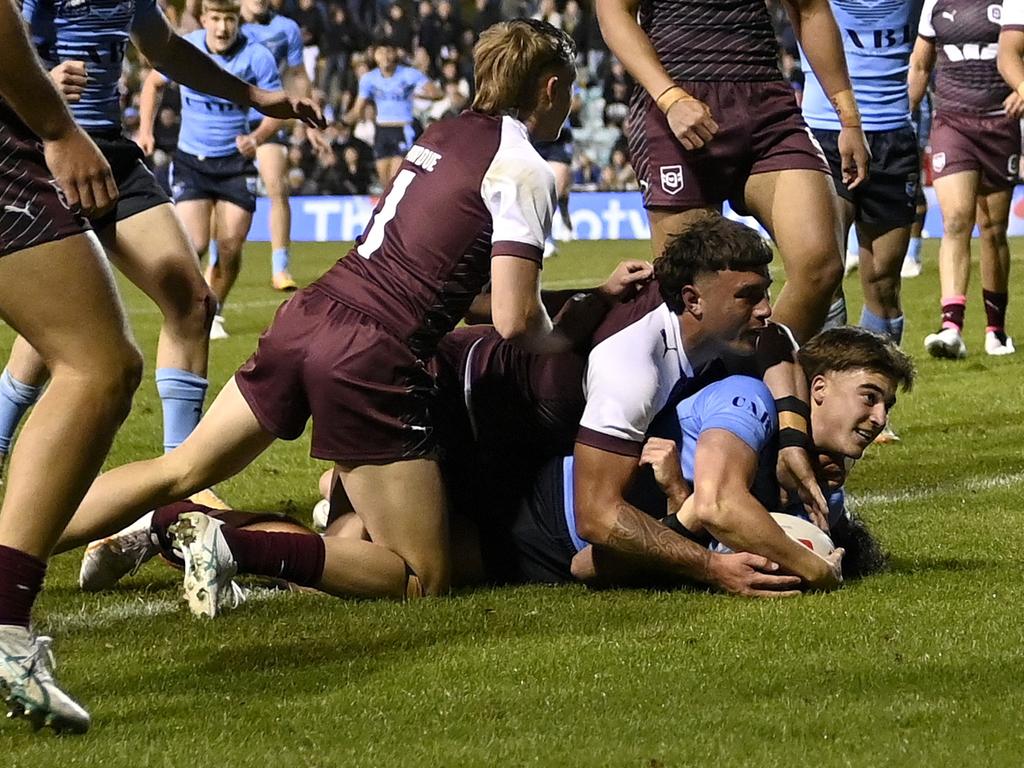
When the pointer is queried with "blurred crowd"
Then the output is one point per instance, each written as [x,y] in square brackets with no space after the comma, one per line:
[436,37]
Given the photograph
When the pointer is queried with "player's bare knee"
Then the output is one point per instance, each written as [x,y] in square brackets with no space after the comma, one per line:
[958,223]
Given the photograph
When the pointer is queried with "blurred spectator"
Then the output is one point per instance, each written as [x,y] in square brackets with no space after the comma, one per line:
[450,28]
[429,35]
[341,39]
[395,29]
[488,12]
[618,176]
[312,22]
[586,176]
[547,11]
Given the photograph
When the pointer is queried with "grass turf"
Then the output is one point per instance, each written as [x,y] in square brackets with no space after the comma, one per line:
[920,665]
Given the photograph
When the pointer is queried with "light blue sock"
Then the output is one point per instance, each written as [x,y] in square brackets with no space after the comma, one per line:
[891,328]
[914,249]
[15,399]
[214,254]
[279,259]
[181,394]
[836,316]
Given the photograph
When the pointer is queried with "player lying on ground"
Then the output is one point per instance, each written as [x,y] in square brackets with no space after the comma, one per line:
[729,429]
[645,354]
[726,436]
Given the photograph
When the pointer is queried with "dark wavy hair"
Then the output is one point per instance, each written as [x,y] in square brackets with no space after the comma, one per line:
[713,243]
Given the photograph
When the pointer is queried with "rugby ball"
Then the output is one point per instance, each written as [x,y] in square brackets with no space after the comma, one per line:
[805,532]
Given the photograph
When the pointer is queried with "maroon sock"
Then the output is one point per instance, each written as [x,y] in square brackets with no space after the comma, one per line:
[294,557]
[21,580]
[953,315]
[995,309]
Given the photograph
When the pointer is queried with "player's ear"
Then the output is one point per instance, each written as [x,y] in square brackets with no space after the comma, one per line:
[692,300]
[818,386]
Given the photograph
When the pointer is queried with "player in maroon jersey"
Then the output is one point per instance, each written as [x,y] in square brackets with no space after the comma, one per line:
[56,290]
[975,160]
[712,119]
[473,201]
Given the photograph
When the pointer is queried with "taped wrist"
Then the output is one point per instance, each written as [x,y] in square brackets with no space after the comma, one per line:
[794,422]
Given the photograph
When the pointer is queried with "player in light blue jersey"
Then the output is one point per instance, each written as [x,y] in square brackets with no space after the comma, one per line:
[213,173]
[84,44]
[282,37]
[878,38]
[391,87]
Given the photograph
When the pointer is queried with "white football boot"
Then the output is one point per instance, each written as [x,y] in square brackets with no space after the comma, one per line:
[947,343]
[209,564]
[28,687]
[321,515]
[107,561]
[911,267]
[998,344]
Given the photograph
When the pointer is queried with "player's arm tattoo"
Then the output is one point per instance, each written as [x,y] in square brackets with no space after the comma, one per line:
[655,546]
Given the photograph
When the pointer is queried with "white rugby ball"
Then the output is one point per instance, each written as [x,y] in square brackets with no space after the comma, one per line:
[805,532]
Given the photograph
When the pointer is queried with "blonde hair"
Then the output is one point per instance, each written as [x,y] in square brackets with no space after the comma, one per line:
[222,6]
[509,58]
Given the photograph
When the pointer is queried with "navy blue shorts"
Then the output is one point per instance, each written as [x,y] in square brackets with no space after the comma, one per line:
[392,140]
[231,178]
[137,188]
[888,198]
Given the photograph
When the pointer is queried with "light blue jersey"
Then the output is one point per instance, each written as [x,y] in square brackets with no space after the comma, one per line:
[878,36]
[392,95]
[96,32]
[283,38]
[210,124]
[741,405]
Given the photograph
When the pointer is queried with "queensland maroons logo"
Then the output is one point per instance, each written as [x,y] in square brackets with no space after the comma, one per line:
[671,178]
[938,161]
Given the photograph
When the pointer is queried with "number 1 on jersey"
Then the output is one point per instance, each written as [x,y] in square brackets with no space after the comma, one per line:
[375,236]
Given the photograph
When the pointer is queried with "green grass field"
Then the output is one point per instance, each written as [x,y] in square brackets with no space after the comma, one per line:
[919,666]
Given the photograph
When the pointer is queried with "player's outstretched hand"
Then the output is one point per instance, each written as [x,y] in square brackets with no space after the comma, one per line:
[796,475]
[855,156]
[691,122]
[70,78]
[1014,106]
[280,105]
[626,279]
[662,456]
[750,575]
[81,171]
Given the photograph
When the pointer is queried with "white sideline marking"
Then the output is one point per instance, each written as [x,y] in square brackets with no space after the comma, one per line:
[133,608]
[971,485]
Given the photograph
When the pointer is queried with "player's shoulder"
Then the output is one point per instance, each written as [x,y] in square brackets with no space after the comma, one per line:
[197,37]
[641,318]
[744,393]
[281,22]
[258,53]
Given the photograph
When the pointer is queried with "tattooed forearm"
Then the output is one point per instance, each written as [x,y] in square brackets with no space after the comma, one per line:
[637,535]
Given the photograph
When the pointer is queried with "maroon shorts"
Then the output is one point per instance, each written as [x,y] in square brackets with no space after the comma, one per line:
[988,145]
[760,129]
[33,209]
[368,394]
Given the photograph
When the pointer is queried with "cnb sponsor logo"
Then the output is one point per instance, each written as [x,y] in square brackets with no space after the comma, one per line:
[671,178]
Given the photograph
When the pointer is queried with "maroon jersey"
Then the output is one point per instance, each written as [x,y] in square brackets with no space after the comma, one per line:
[470,188]
[966,37]
[712,39]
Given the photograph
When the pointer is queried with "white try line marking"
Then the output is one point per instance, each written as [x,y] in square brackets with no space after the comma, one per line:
[969,485]
[133,607]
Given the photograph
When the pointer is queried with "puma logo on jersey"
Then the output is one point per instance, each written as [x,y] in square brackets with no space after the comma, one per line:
[951,15]
[423,157]
[23,210]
